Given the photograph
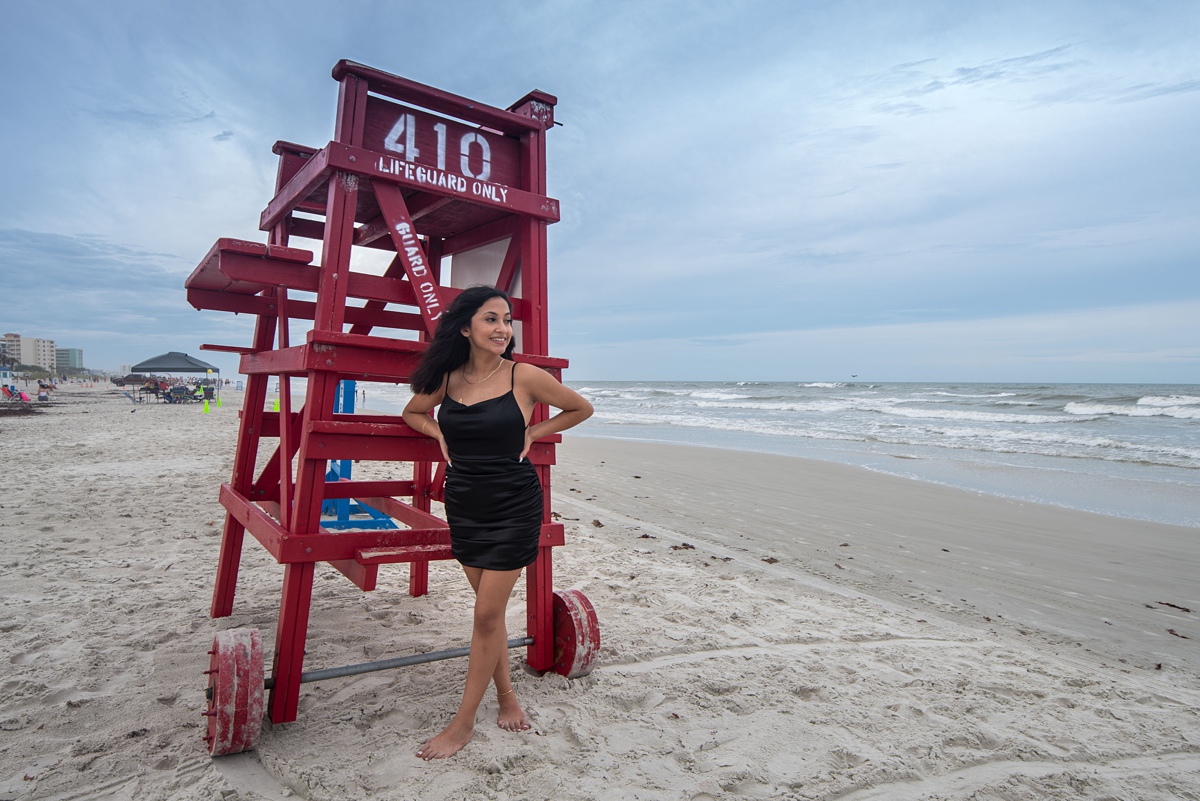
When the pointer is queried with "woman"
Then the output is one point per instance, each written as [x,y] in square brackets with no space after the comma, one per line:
[493,495]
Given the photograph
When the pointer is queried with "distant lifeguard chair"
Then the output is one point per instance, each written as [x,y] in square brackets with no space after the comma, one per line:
[424,175]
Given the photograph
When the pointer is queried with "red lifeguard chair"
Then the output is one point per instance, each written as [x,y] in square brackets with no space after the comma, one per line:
[424,175]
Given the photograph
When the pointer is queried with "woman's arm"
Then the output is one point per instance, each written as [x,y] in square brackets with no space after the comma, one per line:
[416,415]
[541,387]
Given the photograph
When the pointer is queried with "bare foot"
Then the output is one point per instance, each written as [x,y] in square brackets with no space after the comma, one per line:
[446,744]
[511,717]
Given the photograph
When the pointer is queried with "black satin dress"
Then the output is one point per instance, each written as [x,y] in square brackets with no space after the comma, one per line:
[493,497]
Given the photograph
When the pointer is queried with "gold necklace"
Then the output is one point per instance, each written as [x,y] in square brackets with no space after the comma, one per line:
[486,377]
[480,381]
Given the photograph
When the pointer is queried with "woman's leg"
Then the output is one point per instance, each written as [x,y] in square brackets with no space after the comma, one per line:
[489,644]
[511,716]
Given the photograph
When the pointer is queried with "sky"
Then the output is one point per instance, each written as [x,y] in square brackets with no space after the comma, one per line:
[902,191]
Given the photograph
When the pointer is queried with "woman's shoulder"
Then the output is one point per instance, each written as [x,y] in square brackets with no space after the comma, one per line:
[531,377]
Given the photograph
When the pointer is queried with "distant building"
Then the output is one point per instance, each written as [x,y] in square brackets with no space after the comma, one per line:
[34,352]
[68,359]
[38,352]
[10,346]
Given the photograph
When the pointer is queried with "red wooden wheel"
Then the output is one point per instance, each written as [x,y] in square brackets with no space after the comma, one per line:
[576,634]
[235,692]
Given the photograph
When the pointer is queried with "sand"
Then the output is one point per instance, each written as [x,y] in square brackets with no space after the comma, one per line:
[772,628]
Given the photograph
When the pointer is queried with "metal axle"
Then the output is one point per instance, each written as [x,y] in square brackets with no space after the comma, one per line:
[388,664]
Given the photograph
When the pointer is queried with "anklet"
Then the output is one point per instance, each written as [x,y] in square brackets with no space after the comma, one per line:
[501,695]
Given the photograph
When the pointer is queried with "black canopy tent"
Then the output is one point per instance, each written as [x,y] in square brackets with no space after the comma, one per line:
[174,362]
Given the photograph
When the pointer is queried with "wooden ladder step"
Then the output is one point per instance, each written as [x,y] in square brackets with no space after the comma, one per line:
[404,553]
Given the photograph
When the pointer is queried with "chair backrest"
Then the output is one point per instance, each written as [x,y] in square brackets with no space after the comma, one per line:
[7,394]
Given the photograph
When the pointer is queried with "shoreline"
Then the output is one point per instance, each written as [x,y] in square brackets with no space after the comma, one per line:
[1053,573]
[1024,483]
[736,659]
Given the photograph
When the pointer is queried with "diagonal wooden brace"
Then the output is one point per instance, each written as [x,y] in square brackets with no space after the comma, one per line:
[412,255]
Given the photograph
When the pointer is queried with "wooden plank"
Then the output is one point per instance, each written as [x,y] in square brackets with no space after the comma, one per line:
[367,342]
[439,142]
[214,300]
[254,274]
[301,309]
[291,158]
[328,547]
[262,526]
[288,441]
[335,254]
[392,427]
[508,268]
[311,464]
[244,460]
[374,448]
[353,489]
[378,166]
[370,232]
[362,364]
[351,109]
[275,362]
[535,331]
[208,274]
[383,426]
[306,228]
[411,254]
[314,172]
[291,631]
[344,544]
[357,355]
[437,100]
[410,553]
[395,270]
[251,273]
[539,610]
[405,513]
[362,575]
[537,105]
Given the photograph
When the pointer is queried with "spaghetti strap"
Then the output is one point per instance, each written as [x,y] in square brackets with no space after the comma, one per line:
[512,377]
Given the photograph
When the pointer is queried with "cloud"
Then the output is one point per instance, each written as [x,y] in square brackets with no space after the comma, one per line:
[116,301]
[724,171]
[1136,94]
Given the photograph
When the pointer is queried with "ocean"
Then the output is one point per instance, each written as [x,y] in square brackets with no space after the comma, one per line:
[1118,449]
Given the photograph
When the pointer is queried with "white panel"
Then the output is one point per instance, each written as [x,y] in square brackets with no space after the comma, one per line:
[482,266]
[478,266]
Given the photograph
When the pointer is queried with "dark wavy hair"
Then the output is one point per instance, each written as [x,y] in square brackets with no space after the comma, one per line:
[449,348]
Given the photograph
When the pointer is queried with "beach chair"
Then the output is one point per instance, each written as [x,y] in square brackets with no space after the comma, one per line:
[8,395]
[131,398]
